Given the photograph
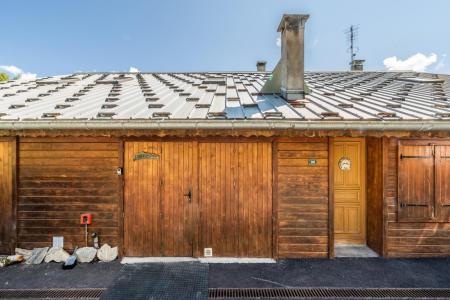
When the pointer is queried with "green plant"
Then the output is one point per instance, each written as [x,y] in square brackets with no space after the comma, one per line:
[4,77]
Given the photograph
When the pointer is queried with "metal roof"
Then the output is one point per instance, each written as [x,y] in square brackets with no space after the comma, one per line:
[220,98]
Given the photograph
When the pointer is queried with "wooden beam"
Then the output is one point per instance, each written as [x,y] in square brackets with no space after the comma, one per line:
[331,197]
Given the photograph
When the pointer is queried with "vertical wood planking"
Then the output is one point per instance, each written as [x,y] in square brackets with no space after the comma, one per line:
[375,185]
[236,198]
[7,196]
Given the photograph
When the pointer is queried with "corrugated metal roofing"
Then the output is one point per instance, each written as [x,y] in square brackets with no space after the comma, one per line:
[335,96]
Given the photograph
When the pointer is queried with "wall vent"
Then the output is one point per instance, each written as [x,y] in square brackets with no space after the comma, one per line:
[207,252]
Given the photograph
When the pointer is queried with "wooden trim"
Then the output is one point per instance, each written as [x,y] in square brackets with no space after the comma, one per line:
[275,199]
[99,139]
[7,138]
[196,226]
[200,139]
[181,133]
[121,183]
[423,142]
[331,197]
[385,167]
[14,151]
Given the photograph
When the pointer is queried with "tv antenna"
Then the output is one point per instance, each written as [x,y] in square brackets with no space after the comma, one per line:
[352,36]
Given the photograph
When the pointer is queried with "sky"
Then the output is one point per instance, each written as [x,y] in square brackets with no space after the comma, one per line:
[54,37]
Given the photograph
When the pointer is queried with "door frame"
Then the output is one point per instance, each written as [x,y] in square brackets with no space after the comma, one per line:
[331,189]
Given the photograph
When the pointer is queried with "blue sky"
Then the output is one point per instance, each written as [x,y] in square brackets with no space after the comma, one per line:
[50,37]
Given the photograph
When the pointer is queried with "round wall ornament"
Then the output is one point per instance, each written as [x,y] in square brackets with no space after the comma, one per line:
[345,163]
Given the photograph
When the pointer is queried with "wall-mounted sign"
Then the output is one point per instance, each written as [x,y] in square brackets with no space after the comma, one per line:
[144,155]
[345,164]
[312,162]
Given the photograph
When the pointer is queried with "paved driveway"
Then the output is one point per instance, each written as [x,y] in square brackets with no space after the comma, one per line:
[343,272]
[151,281]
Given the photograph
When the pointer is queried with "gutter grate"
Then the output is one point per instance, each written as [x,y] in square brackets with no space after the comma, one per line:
[94,293]
[331,293]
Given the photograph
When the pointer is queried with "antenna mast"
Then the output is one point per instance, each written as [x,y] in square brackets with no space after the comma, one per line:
[352,37]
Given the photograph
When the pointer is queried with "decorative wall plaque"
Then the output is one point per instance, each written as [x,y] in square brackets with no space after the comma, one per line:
[145,155]
[345,163]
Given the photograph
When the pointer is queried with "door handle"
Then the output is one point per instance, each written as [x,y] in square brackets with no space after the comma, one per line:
[189,195]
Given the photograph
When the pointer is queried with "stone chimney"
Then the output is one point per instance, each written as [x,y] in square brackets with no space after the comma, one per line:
[357,65]
[261,66]
[292,28]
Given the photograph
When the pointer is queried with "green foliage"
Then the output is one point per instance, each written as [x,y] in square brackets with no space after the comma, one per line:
[4,77]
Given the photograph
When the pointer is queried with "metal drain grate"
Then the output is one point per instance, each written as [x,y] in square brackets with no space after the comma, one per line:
[52,294]
[311,293]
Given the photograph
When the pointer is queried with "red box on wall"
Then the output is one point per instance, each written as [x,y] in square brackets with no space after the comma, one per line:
[86,219]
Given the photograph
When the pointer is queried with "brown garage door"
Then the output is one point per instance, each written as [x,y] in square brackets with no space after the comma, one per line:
[182,197]
[158,210]
[235,195]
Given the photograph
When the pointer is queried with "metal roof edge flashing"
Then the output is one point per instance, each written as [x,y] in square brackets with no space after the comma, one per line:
[226,124]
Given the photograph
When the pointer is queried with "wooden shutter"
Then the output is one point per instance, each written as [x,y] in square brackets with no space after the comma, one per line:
[442,191]
[415,183]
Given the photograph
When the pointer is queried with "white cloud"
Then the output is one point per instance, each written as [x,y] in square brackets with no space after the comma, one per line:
[134,70]
[278,42]
[418,62]
[18,73]
[441,63]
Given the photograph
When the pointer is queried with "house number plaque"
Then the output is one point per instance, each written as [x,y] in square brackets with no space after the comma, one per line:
[145,155]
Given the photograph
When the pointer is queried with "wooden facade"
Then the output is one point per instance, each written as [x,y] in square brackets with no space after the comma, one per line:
[241,196]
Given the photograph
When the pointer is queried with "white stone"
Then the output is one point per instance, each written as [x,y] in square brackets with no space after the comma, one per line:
[37,256]
[24,252]
[57,255]
[106,253]
[86,254]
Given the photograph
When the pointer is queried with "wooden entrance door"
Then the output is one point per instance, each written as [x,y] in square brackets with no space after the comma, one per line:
[235,195]
[159,198]
[349,191]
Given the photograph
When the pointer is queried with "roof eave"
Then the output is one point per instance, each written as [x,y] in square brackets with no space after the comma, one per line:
[430,125]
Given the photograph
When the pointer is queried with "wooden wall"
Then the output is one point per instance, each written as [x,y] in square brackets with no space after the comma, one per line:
[61,179]
[375,194]
[408,239]
[302,198]
[7,199]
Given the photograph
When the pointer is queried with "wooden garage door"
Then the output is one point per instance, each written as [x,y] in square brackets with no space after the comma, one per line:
[159,177]
[235,198]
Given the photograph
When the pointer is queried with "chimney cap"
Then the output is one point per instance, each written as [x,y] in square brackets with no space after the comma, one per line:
[296,20]
[261,62]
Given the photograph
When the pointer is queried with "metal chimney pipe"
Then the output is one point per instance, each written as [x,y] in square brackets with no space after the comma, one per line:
[292,28]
